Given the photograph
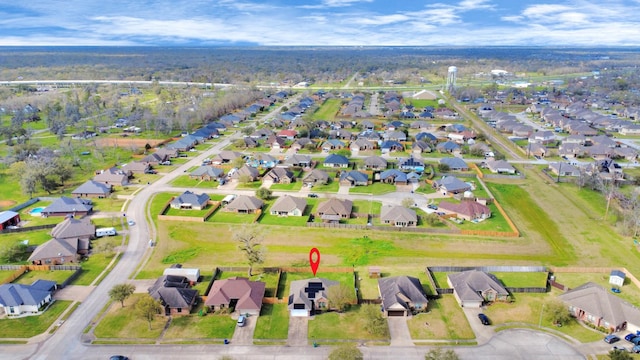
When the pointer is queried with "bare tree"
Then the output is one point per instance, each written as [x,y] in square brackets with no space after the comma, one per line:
[249,240]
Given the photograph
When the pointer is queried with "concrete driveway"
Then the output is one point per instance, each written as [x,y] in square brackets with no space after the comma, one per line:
[73,293]
[298,331]
[483,332]
[399,331]
[244,335]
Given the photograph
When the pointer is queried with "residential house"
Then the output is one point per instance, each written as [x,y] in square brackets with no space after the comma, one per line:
[362,144]
[333,144]
[136,167]
[354,178]
[418,147]
[315,177]
[303,143]
[334,210]
[288,134]
[244,204]
[309,297]
[391,146]
[275,142]
[335,160]
[402,295]
[207,173]
[411,163]
[454,163]
[536,149]
[190,201]
[451,185]
[375,163]
[113,177]
[18,300]
[237,293]
[248,172]
[167,153]
[398,216]
[395,136]
[447,147]
[262,160]
[279,175]
[92,188]
[174,294]
[500,167]
[298,160]
[393,176]
[68,206]
[225,156]
[288,206]
[467,209]
[474,288]
[543,137]
[563,169]
[154,159]
[59,251]
[9,218]
[596,305]
[74,228]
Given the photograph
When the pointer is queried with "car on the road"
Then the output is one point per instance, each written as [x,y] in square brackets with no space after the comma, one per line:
[629,337]
[131,222]
[484,319]
[242,320]
[432,207]
[610,339]
[312,195]
[118,357]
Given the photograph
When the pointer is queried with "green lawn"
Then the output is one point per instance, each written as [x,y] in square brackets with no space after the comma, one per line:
[294,186]
[119,322]
[188,213]
[273,322]
[328,110]
[332,186]
[374,189]
[186,181]
[92,267]
[269,278]
[32,325]
[59,276]
[444,321]
[210,326]
[221,216]
[349,325]
[496,222]
[249,185]
[268,219]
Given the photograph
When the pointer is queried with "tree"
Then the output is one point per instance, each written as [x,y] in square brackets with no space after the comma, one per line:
[557,312]
[340,296]
[238,162]
[432,219]
[249,240]
[263,193]
[248,130]
[619,355]
[346,352]
[443,168]
[375,323]
[147,308]
[438,354]
[13,253]
[407,202]
[121,292]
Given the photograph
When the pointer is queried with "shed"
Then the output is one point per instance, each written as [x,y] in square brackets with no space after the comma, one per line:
[617,277]
[375,272]
[191,274]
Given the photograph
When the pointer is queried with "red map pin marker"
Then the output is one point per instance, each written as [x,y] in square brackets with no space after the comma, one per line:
[314,263]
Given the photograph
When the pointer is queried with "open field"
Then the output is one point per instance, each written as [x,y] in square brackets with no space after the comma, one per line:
[339,326]
[444,321]
[118,323]
[32,325]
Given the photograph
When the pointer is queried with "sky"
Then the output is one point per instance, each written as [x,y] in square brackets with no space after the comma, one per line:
[319,23]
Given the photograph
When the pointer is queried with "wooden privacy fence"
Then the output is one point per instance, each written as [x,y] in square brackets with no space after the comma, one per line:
[21,269]
[214,206]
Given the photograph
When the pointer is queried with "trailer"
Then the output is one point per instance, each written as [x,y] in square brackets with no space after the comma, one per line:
[110,231]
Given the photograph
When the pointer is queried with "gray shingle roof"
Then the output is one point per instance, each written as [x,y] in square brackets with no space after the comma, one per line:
[398,214]
[20,294]
[74,228]
[92,187]
[597,301]
[288,203]
[68,205]
[303,291]
[190,198]
[394,289]
[245,203]
[467,284]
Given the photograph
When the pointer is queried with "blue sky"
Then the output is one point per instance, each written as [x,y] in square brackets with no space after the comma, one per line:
[320,22]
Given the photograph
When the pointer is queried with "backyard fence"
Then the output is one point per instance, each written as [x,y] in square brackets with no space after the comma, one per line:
[161,216]
[28,228]
[25,204]
[21,269]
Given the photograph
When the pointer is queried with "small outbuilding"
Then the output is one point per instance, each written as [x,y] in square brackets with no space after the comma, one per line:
[617,277]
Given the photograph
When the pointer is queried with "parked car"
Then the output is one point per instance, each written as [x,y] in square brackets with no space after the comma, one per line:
[635,349]
[636,340]
[610,339]
[432,207]
[150,172]
[165,162]
[615,290]
[312,195]
[242,320]
[131,222]
[118,357]
[484,319]
[619,348]
[630,336]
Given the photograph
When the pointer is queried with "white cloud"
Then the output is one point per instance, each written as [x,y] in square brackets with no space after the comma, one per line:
[382,20]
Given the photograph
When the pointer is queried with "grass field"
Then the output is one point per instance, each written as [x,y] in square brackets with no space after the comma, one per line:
[373,189]
[32,325]
[59,276]
[444,321]
[119,323]
[273,322]
[210,326]
[349,325]
[328,110]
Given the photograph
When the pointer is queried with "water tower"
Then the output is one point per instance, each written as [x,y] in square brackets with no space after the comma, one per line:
[452,73]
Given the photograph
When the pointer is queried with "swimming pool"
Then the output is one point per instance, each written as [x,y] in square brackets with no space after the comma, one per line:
[36,211]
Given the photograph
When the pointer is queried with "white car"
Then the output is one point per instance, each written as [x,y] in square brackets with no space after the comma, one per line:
[131,222]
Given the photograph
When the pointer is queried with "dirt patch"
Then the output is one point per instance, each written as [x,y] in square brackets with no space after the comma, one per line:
[6,204]
[130,142]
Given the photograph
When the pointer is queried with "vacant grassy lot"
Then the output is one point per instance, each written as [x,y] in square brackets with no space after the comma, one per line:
[445,321]
[119,322]
[273,322]
[294,186]
[210,326]
[373,189]
[328,110]
[349,325]
[32,325]
[186,181]
[222,216]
